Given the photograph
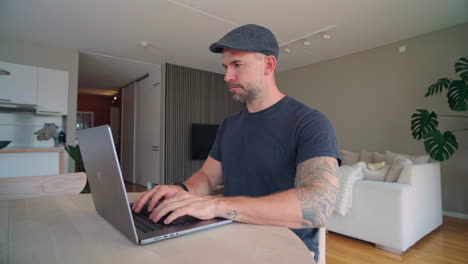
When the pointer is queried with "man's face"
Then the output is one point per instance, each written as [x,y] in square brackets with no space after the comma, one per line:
[244,74]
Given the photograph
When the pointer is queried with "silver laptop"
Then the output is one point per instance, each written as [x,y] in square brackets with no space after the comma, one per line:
[110,198]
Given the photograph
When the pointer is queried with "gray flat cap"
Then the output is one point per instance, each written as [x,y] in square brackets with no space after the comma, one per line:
[248,38]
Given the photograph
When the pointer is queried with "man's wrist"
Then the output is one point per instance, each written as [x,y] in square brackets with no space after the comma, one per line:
[219,207]
[183,186]
[224,208]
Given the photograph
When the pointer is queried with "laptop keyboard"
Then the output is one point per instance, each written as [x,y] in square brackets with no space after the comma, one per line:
[145,224]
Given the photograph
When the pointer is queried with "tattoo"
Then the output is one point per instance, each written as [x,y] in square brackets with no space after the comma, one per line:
[232,214]
[316,185]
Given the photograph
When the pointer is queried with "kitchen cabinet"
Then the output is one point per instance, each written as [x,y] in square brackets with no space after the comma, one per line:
[31,161]
[19,85]
[42,89]
[52,91]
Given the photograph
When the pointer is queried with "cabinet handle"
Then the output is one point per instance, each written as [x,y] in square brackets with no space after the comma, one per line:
[47,112]
[5,100]
[155,148]
[4,72]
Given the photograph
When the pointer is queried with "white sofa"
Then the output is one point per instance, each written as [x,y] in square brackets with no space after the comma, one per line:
[394,215]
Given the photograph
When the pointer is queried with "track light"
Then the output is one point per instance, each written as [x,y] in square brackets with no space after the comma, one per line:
[144,44]
[306,39]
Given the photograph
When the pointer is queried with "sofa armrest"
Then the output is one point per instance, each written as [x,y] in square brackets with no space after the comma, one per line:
[395,215]
[425,208]
[377,213]
[420,173]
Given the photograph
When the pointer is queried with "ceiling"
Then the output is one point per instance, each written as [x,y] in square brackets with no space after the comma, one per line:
[180,31]
[102,74]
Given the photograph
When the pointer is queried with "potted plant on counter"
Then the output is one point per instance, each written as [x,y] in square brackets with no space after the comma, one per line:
[75,154]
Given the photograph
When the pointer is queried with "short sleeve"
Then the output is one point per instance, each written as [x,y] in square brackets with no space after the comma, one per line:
[316,138]
[215,152]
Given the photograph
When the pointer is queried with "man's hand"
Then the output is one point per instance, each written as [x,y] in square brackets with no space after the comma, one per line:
[155,194]
[184,203]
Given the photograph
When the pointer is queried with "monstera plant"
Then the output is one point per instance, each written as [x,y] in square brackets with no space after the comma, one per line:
[441,146]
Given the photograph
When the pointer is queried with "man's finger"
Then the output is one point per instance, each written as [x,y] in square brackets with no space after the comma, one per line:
[143,199]
[137,200]
[176,214]
[154,200]
[163,193]
[165,207]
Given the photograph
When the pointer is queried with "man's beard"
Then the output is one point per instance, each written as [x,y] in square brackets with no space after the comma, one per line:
[251,91]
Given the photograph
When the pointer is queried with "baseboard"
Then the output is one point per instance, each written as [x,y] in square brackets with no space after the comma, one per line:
[455,214]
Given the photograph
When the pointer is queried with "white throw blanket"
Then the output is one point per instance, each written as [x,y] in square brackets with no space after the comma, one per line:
[348,175]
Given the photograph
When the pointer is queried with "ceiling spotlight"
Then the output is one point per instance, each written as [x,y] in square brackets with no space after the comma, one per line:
[325,35]
[307,42]
[144,44]
[287,49]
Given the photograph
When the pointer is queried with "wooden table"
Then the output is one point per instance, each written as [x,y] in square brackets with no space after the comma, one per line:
[67,229]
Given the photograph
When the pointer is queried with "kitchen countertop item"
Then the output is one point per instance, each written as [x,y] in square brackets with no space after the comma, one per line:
[39,149]
[4,143]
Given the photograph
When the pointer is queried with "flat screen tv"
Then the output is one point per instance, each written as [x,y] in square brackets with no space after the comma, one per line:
[203,137]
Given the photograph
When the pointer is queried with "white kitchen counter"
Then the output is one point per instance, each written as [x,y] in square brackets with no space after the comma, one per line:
[17,162]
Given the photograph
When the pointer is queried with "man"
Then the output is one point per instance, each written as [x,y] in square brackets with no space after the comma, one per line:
[278,158]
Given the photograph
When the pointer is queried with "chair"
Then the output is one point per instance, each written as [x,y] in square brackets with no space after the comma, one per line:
[322,246]
[12,188]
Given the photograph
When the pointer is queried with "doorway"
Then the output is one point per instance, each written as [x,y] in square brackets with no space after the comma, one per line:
[103,99]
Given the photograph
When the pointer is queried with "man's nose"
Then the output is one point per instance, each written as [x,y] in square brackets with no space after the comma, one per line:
[229,76]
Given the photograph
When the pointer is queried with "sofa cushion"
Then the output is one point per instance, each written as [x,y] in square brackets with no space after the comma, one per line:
[420,159]
[389,156]
[371,157]
[379,157]
[366,157]
[376,166]
[375,175]
[396,166]
[349,157]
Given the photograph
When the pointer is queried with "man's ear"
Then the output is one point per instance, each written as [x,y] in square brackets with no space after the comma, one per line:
[270,65]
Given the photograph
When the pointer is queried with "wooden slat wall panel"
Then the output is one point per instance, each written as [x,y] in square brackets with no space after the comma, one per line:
[192,96]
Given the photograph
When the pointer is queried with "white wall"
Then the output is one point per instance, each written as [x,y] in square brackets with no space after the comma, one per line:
[24,52]
[370,96]
[20,128]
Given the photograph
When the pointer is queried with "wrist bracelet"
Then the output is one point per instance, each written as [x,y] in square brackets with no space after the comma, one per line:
[183,186]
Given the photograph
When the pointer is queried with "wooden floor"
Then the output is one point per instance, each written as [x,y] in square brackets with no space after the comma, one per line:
[447,244]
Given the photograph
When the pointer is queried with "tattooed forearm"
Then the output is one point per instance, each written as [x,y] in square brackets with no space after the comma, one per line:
[232,215]
[316,185]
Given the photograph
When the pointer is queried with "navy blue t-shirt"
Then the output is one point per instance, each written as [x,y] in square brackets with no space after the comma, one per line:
[259,152]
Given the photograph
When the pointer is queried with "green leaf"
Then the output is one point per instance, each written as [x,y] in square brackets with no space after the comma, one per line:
[422,123]
[437,87]
[74,152]
[461,67]
[458,96]
[440,147]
